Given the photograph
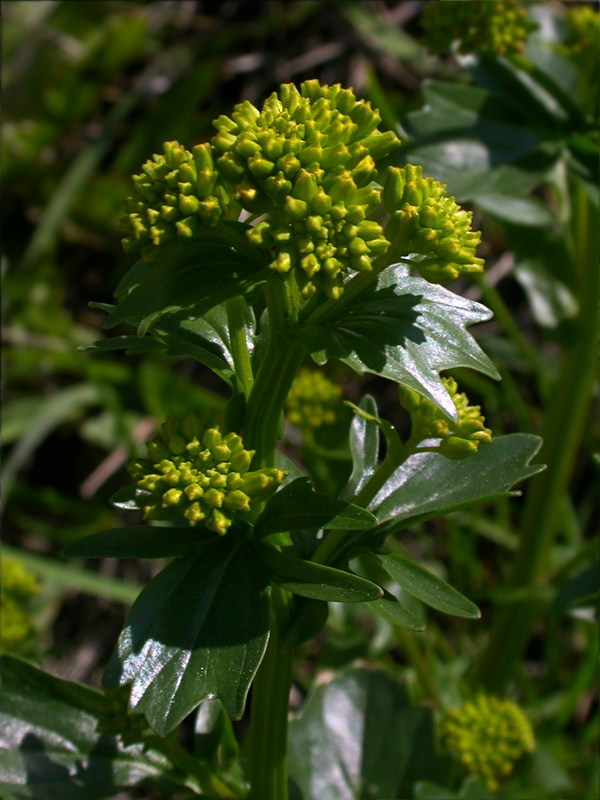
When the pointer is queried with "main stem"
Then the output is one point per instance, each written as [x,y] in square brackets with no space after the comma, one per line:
[267,749]
[267,737]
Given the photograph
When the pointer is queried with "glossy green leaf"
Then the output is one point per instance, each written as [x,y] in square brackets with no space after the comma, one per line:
[317,581]
[140,541]
[425,586]
[130,498]
[197,274]
[357,737]
[49,748]
[298,507]
[198,630]
[428,484]
[364,446]
[405,329]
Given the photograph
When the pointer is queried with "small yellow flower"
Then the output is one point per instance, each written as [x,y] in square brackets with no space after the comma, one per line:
[489,735]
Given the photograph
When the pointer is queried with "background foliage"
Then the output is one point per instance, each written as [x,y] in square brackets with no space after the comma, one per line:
[91,91]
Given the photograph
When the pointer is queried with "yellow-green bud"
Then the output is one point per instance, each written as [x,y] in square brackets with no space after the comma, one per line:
[458,439]
[204,477]
[488,735]
[313,400]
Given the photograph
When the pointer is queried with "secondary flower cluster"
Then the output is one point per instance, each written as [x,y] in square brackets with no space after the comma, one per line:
[489,735]
[313,400]
[424,221]
[459,439]
[180,193]
[18,588]
[198,474]
[491,27]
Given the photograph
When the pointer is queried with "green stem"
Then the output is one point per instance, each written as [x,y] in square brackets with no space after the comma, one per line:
[239,345]
[564,426]
[410,646]
[267,744]
[208,782]
[493,299]
[275,375]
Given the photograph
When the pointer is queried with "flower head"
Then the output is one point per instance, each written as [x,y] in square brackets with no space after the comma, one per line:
[479,27]
[458,439]
[425,221]
[489,735]
[18,588]
[305,161]
[202,475]
[313,400]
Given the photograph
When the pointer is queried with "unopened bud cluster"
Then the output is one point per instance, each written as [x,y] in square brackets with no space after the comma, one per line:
[201,475]
[180,193]
[303,168]
[479,27]
[115,720]
[458,439]
[313,400]
[488,735]
[18,588]
[306,160]
[425,221]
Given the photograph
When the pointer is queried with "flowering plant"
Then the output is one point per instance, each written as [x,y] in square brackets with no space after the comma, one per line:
[278,241]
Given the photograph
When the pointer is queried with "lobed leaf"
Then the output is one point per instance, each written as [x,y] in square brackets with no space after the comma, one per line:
[403,328]
[197,631]
[49,747]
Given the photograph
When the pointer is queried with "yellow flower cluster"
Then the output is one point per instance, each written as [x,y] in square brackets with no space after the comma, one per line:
[479,27]
[489,735]
[424,221]
[313,400]
[458,439]
[304,161]
[18,588]
[115,720]
[198,474]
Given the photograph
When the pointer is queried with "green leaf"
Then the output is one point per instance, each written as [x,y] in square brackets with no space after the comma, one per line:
[139,541]
[317,581]
[357,737]
[550,299]
[49,748]
[428,485]
[198,630]
[424,585]
[206,338]
[405,329]
[298,507]
[364,446]
[195,274]
[391,609]
[519,210]
[130,498]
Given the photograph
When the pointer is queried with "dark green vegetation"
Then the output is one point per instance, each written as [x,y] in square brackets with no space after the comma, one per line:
[91,91]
